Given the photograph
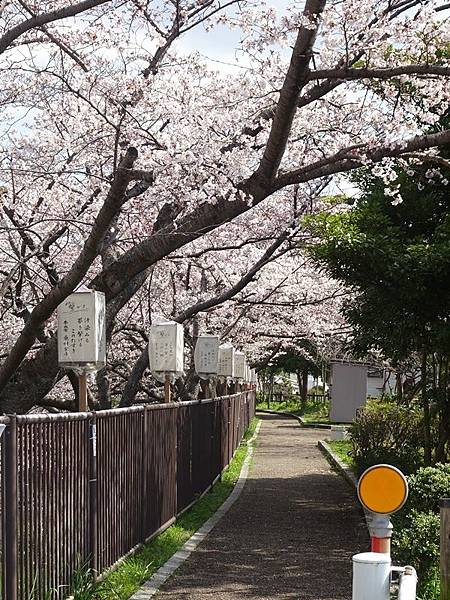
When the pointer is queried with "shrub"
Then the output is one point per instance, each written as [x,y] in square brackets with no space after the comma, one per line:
[416,526]
[387,433]
[427,486]
[417,543]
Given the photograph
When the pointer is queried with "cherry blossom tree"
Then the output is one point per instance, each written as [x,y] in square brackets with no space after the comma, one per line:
[143,172]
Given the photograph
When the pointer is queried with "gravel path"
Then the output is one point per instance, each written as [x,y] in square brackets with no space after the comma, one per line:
[291,534]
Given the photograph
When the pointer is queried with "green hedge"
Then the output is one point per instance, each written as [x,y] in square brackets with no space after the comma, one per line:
[387,433]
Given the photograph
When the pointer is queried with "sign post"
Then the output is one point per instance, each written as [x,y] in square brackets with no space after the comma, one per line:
[225,366]
[82,337]
[82,392]
[239,369]
[166,353]
[206,358]
[382,490]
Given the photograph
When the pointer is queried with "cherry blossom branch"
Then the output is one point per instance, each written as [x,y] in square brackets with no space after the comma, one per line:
[44,309]
[176,30]
[49,17]
[348,73]
[216,300]
[142,363]
[73,55]
[428,158]
[357,156]
[296,78]
[295,303]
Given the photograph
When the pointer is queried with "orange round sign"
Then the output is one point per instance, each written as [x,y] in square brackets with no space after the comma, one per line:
[382,489]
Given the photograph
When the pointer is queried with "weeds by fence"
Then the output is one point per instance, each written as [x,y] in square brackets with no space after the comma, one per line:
[87,488]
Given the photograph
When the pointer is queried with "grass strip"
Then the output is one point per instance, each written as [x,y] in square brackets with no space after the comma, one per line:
[314,413]
[292,408]
[134,571]
[342,448]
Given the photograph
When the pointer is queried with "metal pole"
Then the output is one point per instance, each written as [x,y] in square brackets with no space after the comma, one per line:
[93,494]
[445,548]
[10,511]
[82,392]
[380,534]
[167,390]
[408,584]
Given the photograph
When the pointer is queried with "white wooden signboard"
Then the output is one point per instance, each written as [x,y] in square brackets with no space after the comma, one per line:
[166,348]
[239,365]
[206,355]
[81,331]
[225,367]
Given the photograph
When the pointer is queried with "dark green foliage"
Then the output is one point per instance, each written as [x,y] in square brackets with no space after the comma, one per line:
[387,433]
[395,258]
[292,360]
[416,543]
[416,527]
[428,486]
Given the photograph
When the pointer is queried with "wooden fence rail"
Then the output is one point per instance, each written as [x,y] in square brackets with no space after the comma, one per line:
[86,489]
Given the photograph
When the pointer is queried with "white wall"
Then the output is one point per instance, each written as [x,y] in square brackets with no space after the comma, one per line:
[348,391]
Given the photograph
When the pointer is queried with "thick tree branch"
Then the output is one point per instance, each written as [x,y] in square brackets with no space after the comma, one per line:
[113,202]
[48,17]
[296,78]
[358,156]
[207,217]
[380,72]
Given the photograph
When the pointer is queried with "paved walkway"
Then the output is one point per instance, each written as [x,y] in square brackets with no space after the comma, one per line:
[290,535]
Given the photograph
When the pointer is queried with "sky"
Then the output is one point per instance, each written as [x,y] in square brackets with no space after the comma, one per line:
[220,44]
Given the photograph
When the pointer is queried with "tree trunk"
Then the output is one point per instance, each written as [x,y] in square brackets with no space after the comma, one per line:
[399,387]
[426,412]
[104,389]
[299,383]
[33,381]
[304,389]
[444,412]
[132,385]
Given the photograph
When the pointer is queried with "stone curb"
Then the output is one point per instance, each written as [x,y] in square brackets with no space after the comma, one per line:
[302,421]
[340,466]
[346,472]
[150,588]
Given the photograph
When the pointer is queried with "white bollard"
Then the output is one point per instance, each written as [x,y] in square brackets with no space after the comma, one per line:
[408,584]
[371,576]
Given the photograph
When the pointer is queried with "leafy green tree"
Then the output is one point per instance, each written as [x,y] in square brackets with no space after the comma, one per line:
[392,249]
[303,362]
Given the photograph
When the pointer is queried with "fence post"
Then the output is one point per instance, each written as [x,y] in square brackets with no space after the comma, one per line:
[10,511]
[93,495]
[143,471]
[445,548]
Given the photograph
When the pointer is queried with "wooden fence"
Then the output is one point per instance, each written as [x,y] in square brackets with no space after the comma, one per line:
[88,488]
